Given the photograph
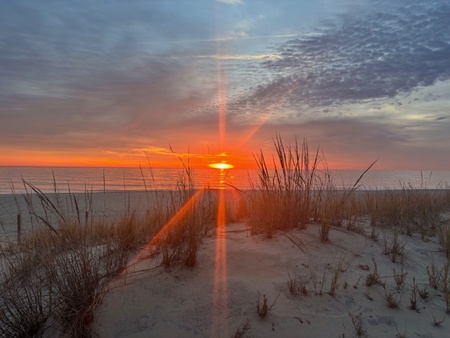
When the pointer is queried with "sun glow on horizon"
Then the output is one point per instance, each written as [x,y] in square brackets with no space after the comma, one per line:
[221,165]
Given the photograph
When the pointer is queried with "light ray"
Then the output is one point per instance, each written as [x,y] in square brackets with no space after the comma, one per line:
[235,38]
[221,97]
[171,223]
[220,291]
[243,57]
[252,131]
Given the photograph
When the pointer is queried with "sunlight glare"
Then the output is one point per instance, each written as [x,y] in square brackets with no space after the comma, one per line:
[220,291]
[221,165]
[173,222]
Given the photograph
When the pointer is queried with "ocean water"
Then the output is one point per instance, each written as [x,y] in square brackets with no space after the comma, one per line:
[116,190]
[76,179]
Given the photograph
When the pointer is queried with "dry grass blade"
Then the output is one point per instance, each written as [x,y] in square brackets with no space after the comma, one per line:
[298,190]
[47,205]
[80,278]
[262,306]
[283,199]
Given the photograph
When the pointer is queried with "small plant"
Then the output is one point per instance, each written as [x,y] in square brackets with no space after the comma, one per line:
[446,285]
[400,279]
[328,213]
[263,308]
[339,269]
[296,286]
[318,285]
[423,293]
[434,276]
[242,330]
[303,290]
[357,321]
[413,297]
[292,285]
[373,234]
[393,247]
[400,334]
[444,237]
[343,263]
[436,321]
[355,286]
[334,282]
[390,298]
[373,278]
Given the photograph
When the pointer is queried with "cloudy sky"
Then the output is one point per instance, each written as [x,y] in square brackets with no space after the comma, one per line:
[122,82]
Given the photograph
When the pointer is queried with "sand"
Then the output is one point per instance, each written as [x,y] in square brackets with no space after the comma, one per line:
[218,297]
[100,206]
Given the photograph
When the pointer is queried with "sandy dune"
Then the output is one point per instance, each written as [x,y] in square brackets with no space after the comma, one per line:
[218,298]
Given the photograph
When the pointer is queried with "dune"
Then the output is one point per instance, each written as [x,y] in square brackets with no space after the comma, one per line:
[363,281]
[312,288]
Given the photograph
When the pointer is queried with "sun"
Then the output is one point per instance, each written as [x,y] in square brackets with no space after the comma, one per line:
[221,165]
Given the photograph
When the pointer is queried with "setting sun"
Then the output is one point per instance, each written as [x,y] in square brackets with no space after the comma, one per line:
[222,165]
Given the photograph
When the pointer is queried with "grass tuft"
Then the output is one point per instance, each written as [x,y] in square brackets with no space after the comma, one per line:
[262,306]
[357,321]
[373,278]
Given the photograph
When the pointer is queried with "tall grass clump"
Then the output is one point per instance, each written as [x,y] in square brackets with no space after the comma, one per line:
[51,282]
[80,278]
[330,211]
[409,210]
[53,278]
[25,293]
[284,198]
[299,189]
[444,237]
[192,213]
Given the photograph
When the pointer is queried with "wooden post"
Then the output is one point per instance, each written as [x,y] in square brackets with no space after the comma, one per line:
[19,227]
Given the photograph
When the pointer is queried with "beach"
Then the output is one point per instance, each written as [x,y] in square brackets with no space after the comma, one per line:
[99,206]
[218,298]
[367,277]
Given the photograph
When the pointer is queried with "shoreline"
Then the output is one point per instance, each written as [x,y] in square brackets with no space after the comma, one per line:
[111,206]
[369,269]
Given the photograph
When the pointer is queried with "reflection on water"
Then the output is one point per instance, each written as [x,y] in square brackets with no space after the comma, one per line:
[135,179]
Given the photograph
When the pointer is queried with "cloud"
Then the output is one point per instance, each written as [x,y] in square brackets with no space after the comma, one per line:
[47,46]
[358,141]
[231,2]
[441,118]
[378,54]
[146,74]
[85,76]
[238,57]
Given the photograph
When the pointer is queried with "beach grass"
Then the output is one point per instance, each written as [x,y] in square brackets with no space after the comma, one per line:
[286,197]
[56,275]
[53,280]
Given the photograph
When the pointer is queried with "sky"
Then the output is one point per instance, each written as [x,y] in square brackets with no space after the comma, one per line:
[127,83]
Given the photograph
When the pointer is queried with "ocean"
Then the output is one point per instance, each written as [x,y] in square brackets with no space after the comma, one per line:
[76,179]
[108,193]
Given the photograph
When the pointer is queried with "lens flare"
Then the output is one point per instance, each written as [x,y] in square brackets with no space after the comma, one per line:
[221,165]
[220,292]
